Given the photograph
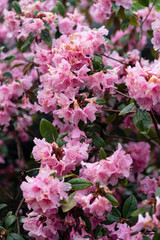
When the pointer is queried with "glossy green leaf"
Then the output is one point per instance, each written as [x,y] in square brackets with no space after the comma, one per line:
[98,141]
[112,199]
[9,220]
[125,24]
[9,59]
[103,154]
[100,101]
[14,236]
[7,75]
[16,7]
[79,183]
[144,3]
[60,8]
[142,121]
[146,238]
[3,205]
[48,131]
[108,67]
[157,192]
[46,37]
[127,109]
[129,206]
[70,204]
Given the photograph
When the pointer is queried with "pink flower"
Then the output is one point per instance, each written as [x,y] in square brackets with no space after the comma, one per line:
[140,153]
[143,223]
[149,186]
[108,170]
[43,193]
[42,150]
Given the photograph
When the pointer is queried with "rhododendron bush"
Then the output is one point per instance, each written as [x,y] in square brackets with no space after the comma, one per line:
[80,120]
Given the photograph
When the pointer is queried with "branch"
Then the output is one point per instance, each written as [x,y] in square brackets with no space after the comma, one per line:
[20,152]
[6,193]
[123,94]
[16,214]
[155,123]
[115,60]
[141,29]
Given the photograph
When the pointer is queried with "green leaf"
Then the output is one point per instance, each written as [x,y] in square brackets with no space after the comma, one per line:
[129,206]
[79,183]
[111,118]
[35,13]
[115,8]
[103,154]
[88,227]
[47,26]
[8,75]
[125,24]
[146,238]
[158,192]
[46,37]
[112,199]
[70,204]
[100,101]
[111,219]
[128,12]
[48,131]
[14,236]
[124,38]
[9,59]
[156,236]
[72,175]
[127,109]
[144,2]
[142,121]
[3,205]
[16,7]
[108,67]
[60,8]
[98,231]
[2,48]
[97,63]
[9,220]
[60,141]
[141,210]
[98,141]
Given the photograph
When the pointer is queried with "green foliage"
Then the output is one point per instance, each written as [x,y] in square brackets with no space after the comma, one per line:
[46,37]
[48,131]
[98,141]
[127,109]
[144,3]
[103,154]
[79,183]
[16,7]
[142,121]
[70,204]
[60,8]
[112,199]
[129,206]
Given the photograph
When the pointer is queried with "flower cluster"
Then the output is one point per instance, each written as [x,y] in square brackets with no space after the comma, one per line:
[86,100]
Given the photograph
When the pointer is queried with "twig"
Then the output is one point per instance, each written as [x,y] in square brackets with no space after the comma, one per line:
[123,94]
[16,214]
[20,152]
[155,123]
[141,29]
[111,110]
[6,193]
[115,60]
[30,170]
